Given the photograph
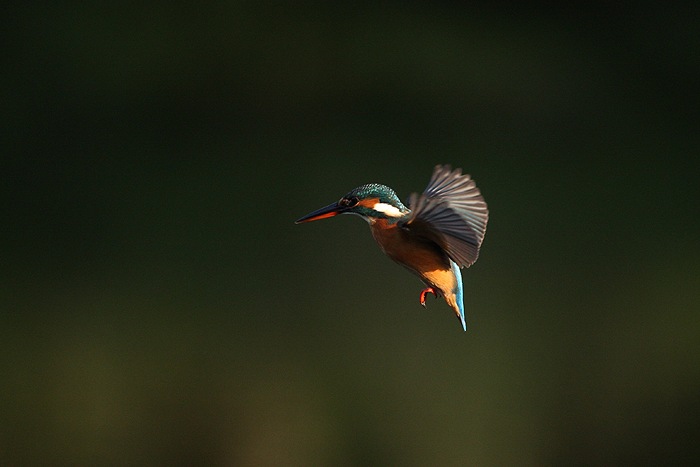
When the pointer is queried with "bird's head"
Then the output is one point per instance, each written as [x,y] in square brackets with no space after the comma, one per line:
[371,202]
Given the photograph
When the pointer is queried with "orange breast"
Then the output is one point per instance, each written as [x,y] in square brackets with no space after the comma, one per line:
[423,258]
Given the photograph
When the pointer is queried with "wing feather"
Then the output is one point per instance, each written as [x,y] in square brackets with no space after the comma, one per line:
[450,212]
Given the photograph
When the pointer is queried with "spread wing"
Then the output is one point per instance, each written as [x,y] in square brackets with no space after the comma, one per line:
[450,212]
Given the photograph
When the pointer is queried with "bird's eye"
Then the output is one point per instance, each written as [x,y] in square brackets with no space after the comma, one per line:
[348,202]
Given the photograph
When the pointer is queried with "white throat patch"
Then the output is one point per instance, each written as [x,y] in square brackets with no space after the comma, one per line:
[388,209]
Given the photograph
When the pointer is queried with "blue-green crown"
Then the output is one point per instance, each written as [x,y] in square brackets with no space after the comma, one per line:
[375,190]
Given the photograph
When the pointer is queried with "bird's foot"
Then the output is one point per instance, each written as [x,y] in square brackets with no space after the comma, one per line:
[424,292]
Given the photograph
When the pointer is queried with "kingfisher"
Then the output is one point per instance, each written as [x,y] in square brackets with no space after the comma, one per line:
[434,236]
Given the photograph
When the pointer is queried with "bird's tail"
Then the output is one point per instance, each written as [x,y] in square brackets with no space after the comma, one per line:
[456,298]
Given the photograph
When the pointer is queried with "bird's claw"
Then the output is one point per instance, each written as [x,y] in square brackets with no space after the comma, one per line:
[423,294]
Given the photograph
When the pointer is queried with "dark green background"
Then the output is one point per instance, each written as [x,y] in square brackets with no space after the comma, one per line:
[159,306]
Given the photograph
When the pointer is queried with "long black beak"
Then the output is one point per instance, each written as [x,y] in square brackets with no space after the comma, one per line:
[329,211]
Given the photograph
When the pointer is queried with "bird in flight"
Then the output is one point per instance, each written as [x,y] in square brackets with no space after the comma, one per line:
[435,236]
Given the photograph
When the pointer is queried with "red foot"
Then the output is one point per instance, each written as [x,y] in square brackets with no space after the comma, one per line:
[424,292]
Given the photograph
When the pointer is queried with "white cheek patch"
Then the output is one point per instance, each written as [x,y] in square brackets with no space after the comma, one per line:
[388,209]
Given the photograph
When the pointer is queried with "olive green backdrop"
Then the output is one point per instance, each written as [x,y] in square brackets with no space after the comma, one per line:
[160,307]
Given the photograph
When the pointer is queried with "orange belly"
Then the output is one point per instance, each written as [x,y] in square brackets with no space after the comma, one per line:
[423,258]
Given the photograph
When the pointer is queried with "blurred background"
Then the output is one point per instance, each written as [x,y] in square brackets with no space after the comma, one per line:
[158,306]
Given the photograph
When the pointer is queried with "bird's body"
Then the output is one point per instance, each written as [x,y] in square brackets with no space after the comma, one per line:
[423,258]
[441,233]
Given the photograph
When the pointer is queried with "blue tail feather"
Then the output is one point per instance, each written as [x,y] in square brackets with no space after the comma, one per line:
[459,292]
